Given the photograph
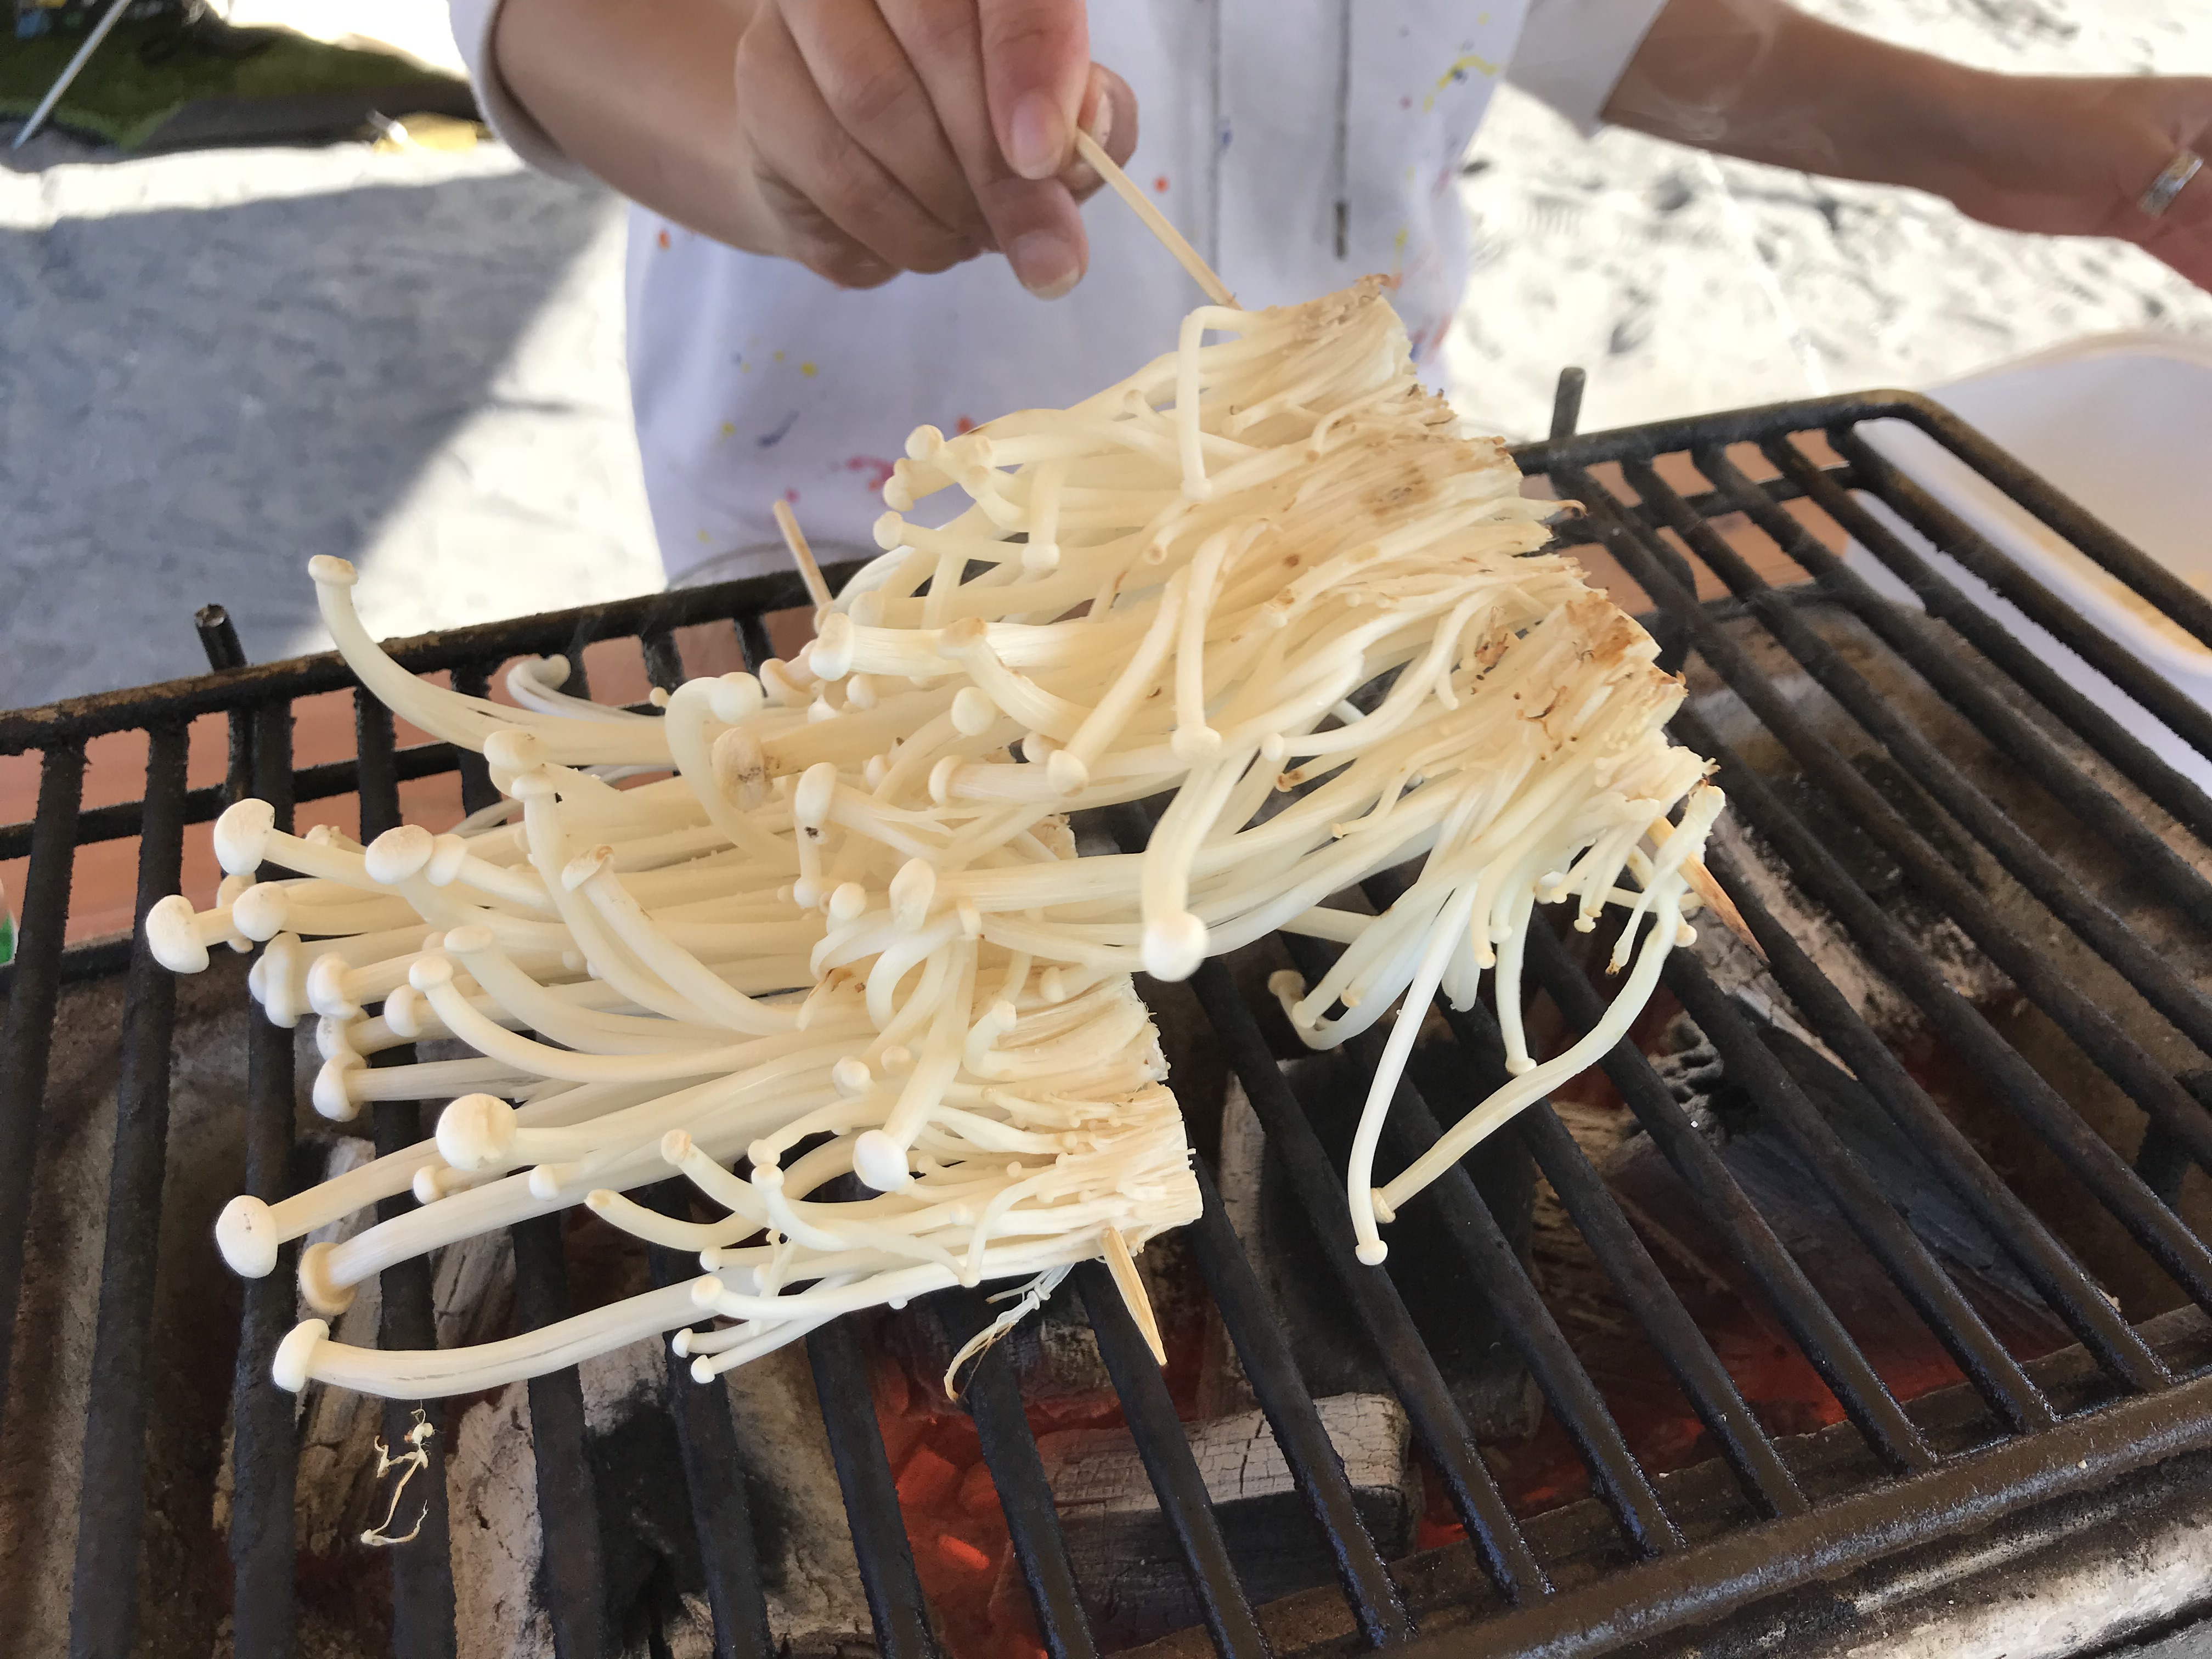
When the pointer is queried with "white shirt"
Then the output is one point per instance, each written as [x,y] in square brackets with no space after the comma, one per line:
[1297,148]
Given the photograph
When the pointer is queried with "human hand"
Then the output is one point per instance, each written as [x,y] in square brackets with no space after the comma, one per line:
[2073,156]
[885,135]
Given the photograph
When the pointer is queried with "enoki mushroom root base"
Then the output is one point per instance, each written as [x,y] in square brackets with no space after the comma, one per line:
[840,967]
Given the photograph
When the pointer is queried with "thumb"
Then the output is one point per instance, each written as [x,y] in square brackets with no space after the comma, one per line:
[1036,64]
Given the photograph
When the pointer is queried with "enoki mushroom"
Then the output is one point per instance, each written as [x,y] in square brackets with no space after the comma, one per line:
[643,994]
[848,933]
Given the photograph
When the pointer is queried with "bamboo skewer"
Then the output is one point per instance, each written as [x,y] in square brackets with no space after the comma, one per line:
[802,555]
[1707,887]
[1155,221]
[1123,1267]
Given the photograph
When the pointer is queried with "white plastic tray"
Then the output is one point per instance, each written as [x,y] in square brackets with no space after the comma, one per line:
[2122,423]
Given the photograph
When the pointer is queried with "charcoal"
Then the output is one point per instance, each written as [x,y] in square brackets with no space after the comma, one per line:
[1127,1567]
[1480,1365]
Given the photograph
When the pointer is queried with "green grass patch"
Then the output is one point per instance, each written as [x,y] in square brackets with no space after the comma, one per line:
[148,69]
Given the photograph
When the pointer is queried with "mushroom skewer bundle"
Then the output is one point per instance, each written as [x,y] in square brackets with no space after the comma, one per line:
[651,1001]
[1019,1178]
[1262,577]
[1260,567]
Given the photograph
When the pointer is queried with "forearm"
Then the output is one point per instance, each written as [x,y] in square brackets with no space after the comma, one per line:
[1759,79]
[643,94]
[2063,155]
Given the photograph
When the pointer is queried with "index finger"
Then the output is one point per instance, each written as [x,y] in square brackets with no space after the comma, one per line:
[1036,63]
[1033,221]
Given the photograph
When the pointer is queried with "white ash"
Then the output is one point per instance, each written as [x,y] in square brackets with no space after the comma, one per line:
[491,1483]
[1097,1472]
[814,1595]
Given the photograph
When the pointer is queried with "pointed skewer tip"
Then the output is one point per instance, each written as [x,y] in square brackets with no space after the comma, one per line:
[1123,1267]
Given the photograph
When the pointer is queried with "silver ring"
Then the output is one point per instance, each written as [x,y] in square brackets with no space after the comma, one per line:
[2168,185]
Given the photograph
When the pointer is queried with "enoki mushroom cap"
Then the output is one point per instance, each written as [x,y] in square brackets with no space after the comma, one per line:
[326,988]
[1066,773]
[261,911]
[398,852]
[476,1132]
[818,790]
[173,937]
[735,698]
[280,989]
[1174,947]
[246,1233]
[328,571]
[973,714]
[296,1355]
[880,1161]
[832,652]
[515,749]
[450,853]
[332,1095]
[241,834]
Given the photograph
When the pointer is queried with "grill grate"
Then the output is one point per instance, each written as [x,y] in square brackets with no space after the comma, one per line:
[1752,543]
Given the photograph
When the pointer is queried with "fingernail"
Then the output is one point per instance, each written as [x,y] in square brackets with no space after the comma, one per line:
[1036,139]
[1045,263]
[1102,118]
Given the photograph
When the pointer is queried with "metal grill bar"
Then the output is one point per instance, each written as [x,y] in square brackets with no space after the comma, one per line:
[993,1400]
[473,679]
[1167,1458]
[2057,1278]
[572,1574]
[895,1604]
[1943,600]
[123,819]
[2095,539]
[664,663]
[26,1044]
[1272,1371]
[1950,533]
[1866,1399]
[1971,692]
[423,1618]
[1438,1427]
[2163,1162]
[265,1453]
[1493,1267]
[752,635]
[219,640]
[2094,1031]
[1966,1494]
[1680,1583]
[1891,1241]
[103,1601]
[1666,1323]
[2097,1033]
[722,1516]
[422,1625]
[487,644]
[2106,1174]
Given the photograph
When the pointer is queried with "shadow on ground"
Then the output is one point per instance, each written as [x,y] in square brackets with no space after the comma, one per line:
[314,353]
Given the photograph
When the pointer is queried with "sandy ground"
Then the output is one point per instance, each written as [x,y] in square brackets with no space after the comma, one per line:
[218,364]
[1684,282]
